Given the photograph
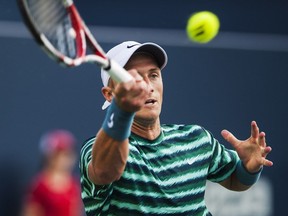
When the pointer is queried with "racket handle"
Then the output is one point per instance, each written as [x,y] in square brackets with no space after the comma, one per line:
[118,73]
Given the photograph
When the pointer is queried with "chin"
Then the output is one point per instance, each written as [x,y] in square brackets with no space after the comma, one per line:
[148,115]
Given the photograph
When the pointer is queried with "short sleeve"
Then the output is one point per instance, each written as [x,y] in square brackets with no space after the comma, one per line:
[223,161]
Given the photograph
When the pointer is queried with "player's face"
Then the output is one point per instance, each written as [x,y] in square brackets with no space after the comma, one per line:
[148,68]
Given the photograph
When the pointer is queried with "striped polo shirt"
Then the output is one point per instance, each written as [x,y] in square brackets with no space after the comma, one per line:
[166,176]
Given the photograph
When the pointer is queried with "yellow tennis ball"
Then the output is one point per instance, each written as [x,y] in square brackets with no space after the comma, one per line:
[202,26]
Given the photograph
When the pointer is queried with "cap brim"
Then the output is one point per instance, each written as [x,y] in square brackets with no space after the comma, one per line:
[152,48]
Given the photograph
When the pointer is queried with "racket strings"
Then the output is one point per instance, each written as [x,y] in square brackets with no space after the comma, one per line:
[53,21]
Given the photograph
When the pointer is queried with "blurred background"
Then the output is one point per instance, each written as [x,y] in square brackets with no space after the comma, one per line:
[238,77]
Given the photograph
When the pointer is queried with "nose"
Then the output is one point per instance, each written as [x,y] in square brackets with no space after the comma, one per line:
[151,89]
[149,84]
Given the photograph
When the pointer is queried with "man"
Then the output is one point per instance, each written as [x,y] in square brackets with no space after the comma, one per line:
[136,166]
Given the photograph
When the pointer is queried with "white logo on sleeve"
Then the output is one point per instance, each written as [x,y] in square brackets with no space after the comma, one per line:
[110,123]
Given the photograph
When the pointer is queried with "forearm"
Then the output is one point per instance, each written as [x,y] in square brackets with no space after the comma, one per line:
[111,147]
[232,183]
[109,158]
[241,179]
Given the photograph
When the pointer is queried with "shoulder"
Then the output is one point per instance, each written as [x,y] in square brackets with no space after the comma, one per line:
[87,144]
[189,133]
[37,184]
[182,129]
[86,150]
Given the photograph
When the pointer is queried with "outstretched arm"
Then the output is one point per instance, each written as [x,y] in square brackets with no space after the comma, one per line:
[111,147]
[252,153]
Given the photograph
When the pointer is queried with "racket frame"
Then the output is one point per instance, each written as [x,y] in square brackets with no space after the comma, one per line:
[83,34]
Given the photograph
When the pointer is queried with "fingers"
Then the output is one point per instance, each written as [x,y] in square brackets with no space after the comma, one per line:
[253,150]
[254,130]
[136,75]
[229,137]
[259,138]
[126,87]
[265,151]
[267,163]
[262,139]
[132,95]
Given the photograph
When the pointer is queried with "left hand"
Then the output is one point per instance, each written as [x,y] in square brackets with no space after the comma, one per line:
[252,151]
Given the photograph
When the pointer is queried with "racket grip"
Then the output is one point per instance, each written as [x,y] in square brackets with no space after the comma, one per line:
[117,73]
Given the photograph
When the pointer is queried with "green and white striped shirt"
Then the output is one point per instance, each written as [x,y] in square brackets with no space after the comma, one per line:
[166,176]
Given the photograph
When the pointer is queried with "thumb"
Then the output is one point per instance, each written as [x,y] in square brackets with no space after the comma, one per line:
[229,137]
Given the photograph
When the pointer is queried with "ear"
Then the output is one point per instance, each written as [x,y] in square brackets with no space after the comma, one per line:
[107,93]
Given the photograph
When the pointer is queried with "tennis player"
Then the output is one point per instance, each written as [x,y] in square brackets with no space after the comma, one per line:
[137,166]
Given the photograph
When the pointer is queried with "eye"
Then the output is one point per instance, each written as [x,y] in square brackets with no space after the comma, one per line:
[154,75]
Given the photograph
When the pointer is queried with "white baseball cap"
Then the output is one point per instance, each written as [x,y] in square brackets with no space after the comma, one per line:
[123,52]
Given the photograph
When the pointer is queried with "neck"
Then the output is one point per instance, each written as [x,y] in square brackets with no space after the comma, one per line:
[147,130]
[57,180]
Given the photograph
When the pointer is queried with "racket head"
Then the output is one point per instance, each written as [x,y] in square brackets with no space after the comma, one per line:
[56,28]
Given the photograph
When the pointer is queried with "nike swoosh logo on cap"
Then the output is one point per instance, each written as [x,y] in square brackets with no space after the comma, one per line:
[130,46]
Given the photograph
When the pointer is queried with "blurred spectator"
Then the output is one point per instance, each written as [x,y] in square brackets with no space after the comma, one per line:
[55,191]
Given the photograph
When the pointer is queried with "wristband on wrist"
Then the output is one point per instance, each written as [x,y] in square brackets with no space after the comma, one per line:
[246,177]
[117,123]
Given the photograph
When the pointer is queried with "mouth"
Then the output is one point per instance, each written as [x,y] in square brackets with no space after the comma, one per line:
[150,101]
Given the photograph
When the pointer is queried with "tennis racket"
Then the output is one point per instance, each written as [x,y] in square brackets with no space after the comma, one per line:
[59,29]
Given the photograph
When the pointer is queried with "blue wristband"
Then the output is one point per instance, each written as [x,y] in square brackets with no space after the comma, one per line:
[246,177]
[117,123]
